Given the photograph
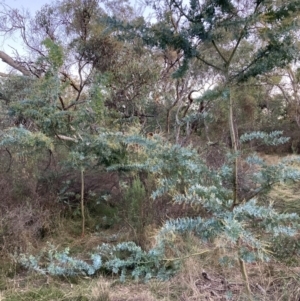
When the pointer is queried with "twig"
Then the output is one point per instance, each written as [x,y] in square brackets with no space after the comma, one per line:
[10,160]
[66,138]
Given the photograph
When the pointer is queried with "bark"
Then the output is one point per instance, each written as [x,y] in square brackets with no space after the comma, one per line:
[10,61]
[4,74]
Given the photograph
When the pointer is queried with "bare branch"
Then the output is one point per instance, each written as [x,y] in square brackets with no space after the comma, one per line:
[208,63]
[10,159]
[219,52]
[74,104]
[10,61]
[283,93]
[72,83]
[4,74]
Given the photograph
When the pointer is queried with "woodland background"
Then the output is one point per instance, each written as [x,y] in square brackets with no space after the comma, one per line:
[156,144]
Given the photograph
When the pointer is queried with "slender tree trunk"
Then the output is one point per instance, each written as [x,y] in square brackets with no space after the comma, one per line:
[244,273]
[82,203]
[168,121]
[245,277]
[234,142]
[235,148]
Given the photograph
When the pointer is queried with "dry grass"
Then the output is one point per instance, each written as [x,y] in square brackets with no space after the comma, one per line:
[202,277]
[285,196]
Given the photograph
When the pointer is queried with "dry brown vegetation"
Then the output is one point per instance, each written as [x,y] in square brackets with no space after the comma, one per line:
[29,223]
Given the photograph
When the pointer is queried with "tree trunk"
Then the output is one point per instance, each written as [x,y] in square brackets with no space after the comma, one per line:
[234,141]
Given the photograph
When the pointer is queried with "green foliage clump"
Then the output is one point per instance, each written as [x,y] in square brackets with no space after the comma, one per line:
[135,199]
[286,248]
[101,214]
[55,53]
[27,141]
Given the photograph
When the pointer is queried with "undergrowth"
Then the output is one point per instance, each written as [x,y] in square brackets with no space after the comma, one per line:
[201,277]
[199,272]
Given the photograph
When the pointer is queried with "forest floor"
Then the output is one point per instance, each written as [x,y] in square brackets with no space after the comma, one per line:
[201,277]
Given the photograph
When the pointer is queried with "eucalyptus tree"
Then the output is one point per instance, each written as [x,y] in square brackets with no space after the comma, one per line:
[48,40]
[239,40]
[57,92]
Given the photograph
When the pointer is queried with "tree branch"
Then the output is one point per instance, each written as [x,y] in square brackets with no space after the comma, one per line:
[74,104]
[67,77]
[219,52]
[241,36]
[208,63]
[10,61]
[4,74]
[283,93]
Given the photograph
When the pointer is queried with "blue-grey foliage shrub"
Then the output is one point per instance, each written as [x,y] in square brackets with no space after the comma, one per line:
[247,227]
